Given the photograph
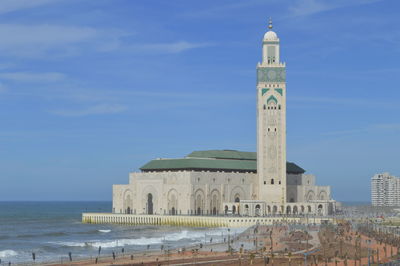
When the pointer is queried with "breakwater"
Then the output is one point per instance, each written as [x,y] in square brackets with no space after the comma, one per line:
[197,221]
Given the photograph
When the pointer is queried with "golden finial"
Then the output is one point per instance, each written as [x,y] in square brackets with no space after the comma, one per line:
[270,23]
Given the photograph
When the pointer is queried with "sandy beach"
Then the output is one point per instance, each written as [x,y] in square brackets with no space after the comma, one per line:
[261,245]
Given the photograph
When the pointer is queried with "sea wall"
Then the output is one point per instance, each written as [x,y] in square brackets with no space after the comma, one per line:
[196,221]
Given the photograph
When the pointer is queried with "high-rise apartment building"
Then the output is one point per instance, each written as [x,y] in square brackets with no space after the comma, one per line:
[385,190]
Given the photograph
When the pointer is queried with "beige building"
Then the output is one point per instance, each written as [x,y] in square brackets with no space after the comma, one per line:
[228,182]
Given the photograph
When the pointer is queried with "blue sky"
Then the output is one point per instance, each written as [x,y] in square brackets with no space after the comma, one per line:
[93,89]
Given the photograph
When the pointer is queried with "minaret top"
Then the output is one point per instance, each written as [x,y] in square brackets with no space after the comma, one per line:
[270,35]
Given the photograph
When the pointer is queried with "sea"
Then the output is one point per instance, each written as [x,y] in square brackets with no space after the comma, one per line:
[52,231]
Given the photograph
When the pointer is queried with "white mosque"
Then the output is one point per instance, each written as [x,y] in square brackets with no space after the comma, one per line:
[230,182]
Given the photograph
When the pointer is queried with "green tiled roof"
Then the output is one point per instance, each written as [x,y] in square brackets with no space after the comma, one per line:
[214,160]
[225,154]
[200,164]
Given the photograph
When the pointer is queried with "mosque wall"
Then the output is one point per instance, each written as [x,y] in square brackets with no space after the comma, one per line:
[182,192]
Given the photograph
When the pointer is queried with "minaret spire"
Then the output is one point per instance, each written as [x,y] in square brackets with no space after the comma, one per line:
[270,23]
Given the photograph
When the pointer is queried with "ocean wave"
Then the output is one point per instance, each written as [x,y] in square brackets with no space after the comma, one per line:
[55,234]
[104,230]
[90,232]
[192,235]
[39,235]
[8,253]
[143,241]
[70,244]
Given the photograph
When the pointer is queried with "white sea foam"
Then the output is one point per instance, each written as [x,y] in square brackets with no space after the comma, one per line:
[70,244]
[104,231]
[8,253]
[143,241]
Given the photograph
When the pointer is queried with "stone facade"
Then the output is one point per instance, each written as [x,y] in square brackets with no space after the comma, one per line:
[271,122]
[182,192]
[215,193]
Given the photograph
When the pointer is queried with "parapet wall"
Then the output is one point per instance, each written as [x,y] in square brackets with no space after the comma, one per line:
[196,221]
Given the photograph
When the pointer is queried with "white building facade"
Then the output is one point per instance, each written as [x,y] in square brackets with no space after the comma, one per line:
[229,182]
[385,190]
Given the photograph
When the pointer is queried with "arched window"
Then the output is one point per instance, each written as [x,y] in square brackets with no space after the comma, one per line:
[149,203]
[272,181]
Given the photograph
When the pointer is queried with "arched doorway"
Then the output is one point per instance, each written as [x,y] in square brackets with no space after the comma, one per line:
[226,209]
[215,202]
[199,202]
[258,210]
[127,202]
[233,209]
[172,202]
[320,209]
[149,203]
[288,210]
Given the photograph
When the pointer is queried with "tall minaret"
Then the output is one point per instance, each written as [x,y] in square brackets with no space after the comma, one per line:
[271,123]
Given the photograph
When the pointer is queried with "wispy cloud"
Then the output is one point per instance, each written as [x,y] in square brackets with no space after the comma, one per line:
[310,7]
[55,40]
[100,109]
[221,11]
[32,77]
[38,40]
[7,6]
[169,48]
[388,127]
[3,87]
[373,103]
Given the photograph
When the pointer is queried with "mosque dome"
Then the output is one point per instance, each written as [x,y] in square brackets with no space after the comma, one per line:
[270,35]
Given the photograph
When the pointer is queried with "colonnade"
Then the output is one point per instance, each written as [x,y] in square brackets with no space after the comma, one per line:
[195,221]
